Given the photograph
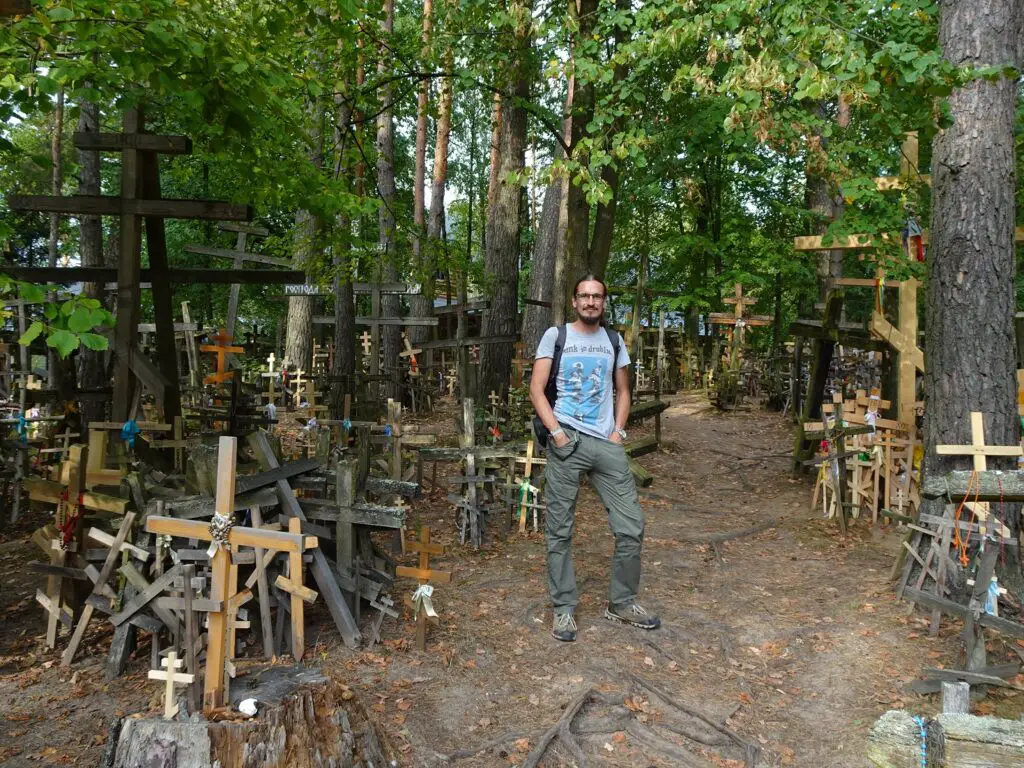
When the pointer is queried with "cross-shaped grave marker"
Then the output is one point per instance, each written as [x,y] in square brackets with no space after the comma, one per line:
[222,349]
[224,535]
[739,319]
[980,453]
[271,376]
[171,677]
[420,602]
[527,487]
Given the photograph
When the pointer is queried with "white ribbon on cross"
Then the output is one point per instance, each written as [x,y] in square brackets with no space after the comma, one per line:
[421,599]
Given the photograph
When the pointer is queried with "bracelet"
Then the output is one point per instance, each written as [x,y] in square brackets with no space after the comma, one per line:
[558,431]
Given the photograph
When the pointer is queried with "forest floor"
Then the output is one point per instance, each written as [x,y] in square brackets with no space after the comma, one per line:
[786,637]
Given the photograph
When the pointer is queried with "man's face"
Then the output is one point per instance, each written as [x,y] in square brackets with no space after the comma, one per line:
[589,302]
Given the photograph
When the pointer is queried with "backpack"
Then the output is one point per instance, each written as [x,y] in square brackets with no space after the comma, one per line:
[551,388]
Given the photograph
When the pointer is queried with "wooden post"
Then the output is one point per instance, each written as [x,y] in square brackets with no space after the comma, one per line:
[217,652]
[297,608]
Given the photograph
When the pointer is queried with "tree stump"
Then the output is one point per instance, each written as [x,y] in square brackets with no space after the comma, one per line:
[305,720]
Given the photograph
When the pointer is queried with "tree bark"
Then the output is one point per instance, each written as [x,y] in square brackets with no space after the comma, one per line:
[969,352]
[577,245]
[343,364]
[821,202]
[298,347]
[57,185]
[92,374]
[547,275]
[391,335]
[422,305]
[501,259]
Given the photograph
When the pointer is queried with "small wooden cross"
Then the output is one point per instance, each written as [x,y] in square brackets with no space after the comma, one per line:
[424,574]
[410,353]
[980,452]
[367,343]
[222,349]
[450,377]
[527,476]
[299,384]
[171,676]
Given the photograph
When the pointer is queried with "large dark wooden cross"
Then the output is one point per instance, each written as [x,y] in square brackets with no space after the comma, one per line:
[139,199]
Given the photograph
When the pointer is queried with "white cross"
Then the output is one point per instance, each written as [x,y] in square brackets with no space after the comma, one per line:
[170,676]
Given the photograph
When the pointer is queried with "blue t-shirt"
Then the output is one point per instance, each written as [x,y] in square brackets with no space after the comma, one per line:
[584,379]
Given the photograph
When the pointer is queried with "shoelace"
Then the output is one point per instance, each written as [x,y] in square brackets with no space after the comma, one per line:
[566,621]
[639,610]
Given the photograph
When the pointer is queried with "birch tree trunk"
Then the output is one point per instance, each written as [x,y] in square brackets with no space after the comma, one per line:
[969,352]
[504,218]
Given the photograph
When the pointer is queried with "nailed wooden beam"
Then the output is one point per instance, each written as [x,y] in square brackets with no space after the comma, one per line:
[147,142]
[103,205]
[70,275]
[467,342]
[329,320]
[248,229]
[992,485]
[227,253]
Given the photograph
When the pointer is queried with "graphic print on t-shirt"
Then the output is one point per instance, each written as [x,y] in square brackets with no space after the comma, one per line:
[585,378]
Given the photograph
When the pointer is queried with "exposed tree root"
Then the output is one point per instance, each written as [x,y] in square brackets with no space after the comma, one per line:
[462,754]
[562,730]
[752,751]
[652,741]
[718,538]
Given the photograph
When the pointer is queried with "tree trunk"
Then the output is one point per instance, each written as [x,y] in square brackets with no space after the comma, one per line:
[604,219]
[298,346]
[501,259]
[391,335]
[57,184]
[821,202]
[577,250]
[92,374]
[343,364]
[549,244]
[559,291]
[969,351]
[423,304]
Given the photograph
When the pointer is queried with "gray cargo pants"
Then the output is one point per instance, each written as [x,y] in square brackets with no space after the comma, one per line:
[606,467]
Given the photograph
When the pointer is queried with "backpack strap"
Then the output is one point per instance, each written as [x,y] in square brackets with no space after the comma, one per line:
[551,388]
[616,339]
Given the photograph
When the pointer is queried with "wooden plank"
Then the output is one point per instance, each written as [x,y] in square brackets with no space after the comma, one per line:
[227,253]
[249,483]
[466,342]
[248,229]
[409,321]
[1011,628]
[245,537]
[63,571]
[105,205]
[263,588]
[50,492]
[146,142]
[304,593]
[141,583]
[644,479]
[298,615]
[145,596]
[424,574]
[323,573]
[991,485]
[108,568]
[641,446]
[177,275]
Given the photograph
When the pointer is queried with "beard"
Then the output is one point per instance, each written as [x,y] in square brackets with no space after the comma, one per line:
[595,320]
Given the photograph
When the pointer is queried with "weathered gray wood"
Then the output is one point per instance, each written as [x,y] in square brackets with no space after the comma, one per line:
[263,590]
[956,698]
[146,142]
[227,253]
[177,275]
[247,483]
[194,507]
[992,485]
[322,571]
[141,583]
[383,486]
[100,205]
[143,598]
[967,741]
[955,609]
[345,495]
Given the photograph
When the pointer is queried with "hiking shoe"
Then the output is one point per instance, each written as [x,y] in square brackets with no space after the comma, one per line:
[632,613]
[564,628]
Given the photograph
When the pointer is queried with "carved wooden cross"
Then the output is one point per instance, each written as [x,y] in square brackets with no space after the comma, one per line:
[410,353]
[739,319]
[222,349]
[425,575]
[527,476]
[271,376]
[171,676]
[218,653]
[298,384]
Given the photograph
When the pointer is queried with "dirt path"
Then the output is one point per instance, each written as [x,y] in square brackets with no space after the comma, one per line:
[788,635]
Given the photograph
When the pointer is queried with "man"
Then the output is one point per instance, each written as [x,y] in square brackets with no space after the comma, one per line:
[587,434]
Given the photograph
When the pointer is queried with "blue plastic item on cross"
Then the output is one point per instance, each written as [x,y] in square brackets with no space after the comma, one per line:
[129,432]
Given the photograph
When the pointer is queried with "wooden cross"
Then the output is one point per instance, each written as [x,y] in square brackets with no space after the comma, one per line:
[271,376]
[171,677]
[222,349]
[410,353]
[979,451]
[450,378]
[367,343]
[218,653]
[520,364]
[298,384]
[425,575]
[238,256]
[739,320]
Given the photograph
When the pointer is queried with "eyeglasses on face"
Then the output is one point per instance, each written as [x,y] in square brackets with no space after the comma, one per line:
[591,296]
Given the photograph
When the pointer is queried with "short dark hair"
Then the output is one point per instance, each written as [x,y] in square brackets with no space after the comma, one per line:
[590,277]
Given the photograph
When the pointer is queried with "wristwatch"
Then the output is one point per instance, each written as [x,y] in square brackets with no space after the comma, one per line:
[621,433]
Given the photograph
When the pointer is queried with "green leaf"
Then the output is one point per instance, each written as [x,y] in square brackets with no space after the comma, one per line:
[31,334]
[33,294]
[95,342]
[64,342]
[67,307]
[50,311]
[89,303]
[60,14]
[98,317]
[80,320]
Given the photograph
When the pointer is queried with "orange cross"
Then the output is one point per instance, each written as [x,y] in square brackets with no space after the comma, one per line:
[222,350]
